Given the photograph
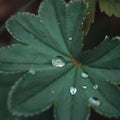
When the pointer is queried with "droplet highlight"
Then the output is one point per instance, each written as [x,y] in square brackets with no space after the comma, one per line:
[73,90]
[84,86]
[84,75]
[32,72]
[41,21]
[94,101]
[58,61]
[52,92]
[95,87]
[70,38]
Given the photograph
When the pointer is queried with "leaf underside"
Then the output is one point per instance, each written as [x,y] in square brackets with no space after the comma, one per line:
[57,31]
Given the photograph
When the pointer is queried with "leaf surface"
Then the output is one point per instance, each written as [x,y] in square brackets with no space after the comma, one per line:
[91,4]
[6,81]
[85,79]
[63,19]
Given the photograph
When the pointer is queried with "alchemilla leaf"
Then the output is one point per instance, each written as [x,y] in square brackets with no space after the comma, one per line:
[6,81]
[91,8]
[56,70]
[110,7]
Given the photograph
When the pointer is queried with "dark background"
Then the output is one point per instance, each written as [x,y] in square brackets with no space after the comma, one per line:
[102,26]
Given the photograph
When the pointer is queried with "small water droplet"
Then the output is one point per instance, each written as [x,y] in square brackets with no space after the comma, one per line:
[88,13]
[52,92]
[58,61]
[87,5]
[82,23]
[95,87]
[106,37]
[70,38]
[41,21]
[32,72]
[73,90]
[84,87]
[84,75]
[107,80]
[94,101]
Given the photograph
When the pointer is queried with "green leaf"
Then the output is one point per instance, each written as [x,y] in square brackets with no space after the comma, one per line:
[6,81]
[106,63]
[111,7]
[91,4]
[44,91]
[108,94]
[58,72]
[70,106]
[34,35]
[24,57]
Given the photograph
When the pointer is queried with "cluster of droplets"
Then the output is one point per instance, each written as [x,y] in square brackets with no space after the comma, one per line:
[85,76]
[59,61]
[92,100]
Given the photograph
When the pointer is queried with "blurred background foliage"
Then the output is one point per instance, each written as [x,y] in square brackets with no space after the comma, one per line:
[102,26]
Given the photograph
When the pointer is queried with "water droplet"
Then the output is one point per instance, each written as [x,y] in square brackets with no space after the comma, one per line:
[41,21]
[88,13]
[70,38]
[87,5]
[82,23]
[32,72]
[95,87]
[84,75]
[84,87]
[58,61]
[52,92]
[73,90]
[107,80]
[94,101]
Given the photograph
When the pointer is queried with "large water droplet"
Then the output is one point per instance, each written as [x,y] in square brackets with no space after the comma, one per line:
[73,90]
[84,87]
[58,61]
[95,87]
[84,75]
[94,101]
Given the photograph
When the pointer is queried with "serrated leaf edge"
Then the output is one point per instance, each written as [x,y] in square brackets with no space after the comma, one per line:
[9,101]
[11,18]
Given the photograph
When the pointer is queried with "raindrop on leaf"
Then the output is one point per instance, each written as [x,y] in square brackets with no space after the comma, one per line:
[84,87]
[73,90]
[32,72]
[95,87]
[58,61]
[84,75]
[94,101]
[70,38]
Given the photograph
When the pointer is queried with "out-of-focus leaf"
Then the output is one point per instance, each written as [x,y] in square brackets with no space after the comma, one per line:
[110,7]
